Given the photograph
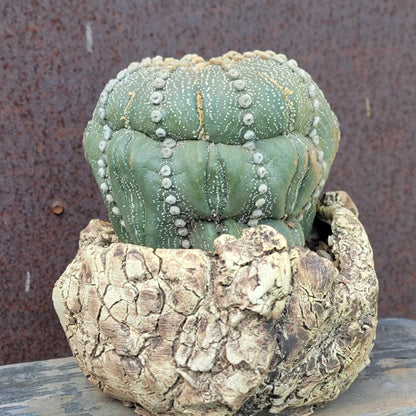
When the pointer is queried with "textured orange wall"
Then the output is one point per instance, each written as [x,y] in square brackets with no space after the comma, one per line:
[55,58]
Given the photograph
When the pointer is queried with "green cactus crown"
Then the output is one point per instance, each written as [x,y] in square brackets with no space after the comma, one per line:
[185,150]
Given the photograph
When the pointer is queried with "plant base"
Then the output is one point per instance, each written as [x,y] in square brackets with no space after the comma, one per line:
[252,328]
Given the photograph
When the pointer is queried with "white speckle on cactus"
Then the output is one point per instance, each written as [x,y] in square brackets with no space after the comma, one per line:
[316,105]
[133,67]
[257,158]
[170,199]
[107,132]
[316,193]
[185,243]
[249,135]
[159,83]
[104,187]
[160,132]
[239,84]
[262,188]
[156,97]
[253,222]
[146,63]
[102,146]
[166,152]
[101,172]
[245,100]
[101,113]
[320,156]
[109,198]
[257,213]
[180,223]
[316,121]
[122,74]
[233,73]
[248,119]
[164,75]
[314,137]
[101,163]
[116,210]
[183,232]
[303,74]
[103,97]
[166,183]
[300,217]
[312,90]
[250,146]
[156,115]
[281,58]
[260,202]
[165,170]
[110,85]
[292,64]
[169,142]
[261,172]
[174,210]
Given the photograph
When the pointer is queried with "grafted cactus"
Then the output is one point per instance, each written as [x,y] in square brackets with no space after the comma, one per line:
[185,150]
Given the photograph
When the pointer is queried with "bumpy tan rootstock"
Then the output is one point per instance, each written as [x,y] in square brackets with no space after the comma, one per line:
[251,328]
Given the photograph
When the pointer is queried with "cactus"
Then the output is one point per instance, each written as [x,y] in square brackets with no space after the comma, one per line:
[185,150]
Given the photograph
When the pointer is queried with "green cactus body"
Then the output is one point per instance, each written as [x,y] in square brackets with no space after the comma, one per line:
[185,150]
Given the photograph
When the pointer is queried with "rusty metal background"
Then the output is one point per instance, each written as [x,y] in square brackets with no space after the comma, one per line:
[55,58]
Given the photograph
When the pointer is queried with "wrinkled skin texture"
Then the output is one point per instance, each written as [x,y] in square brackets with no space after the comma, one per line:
[255,327]
[186,150]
